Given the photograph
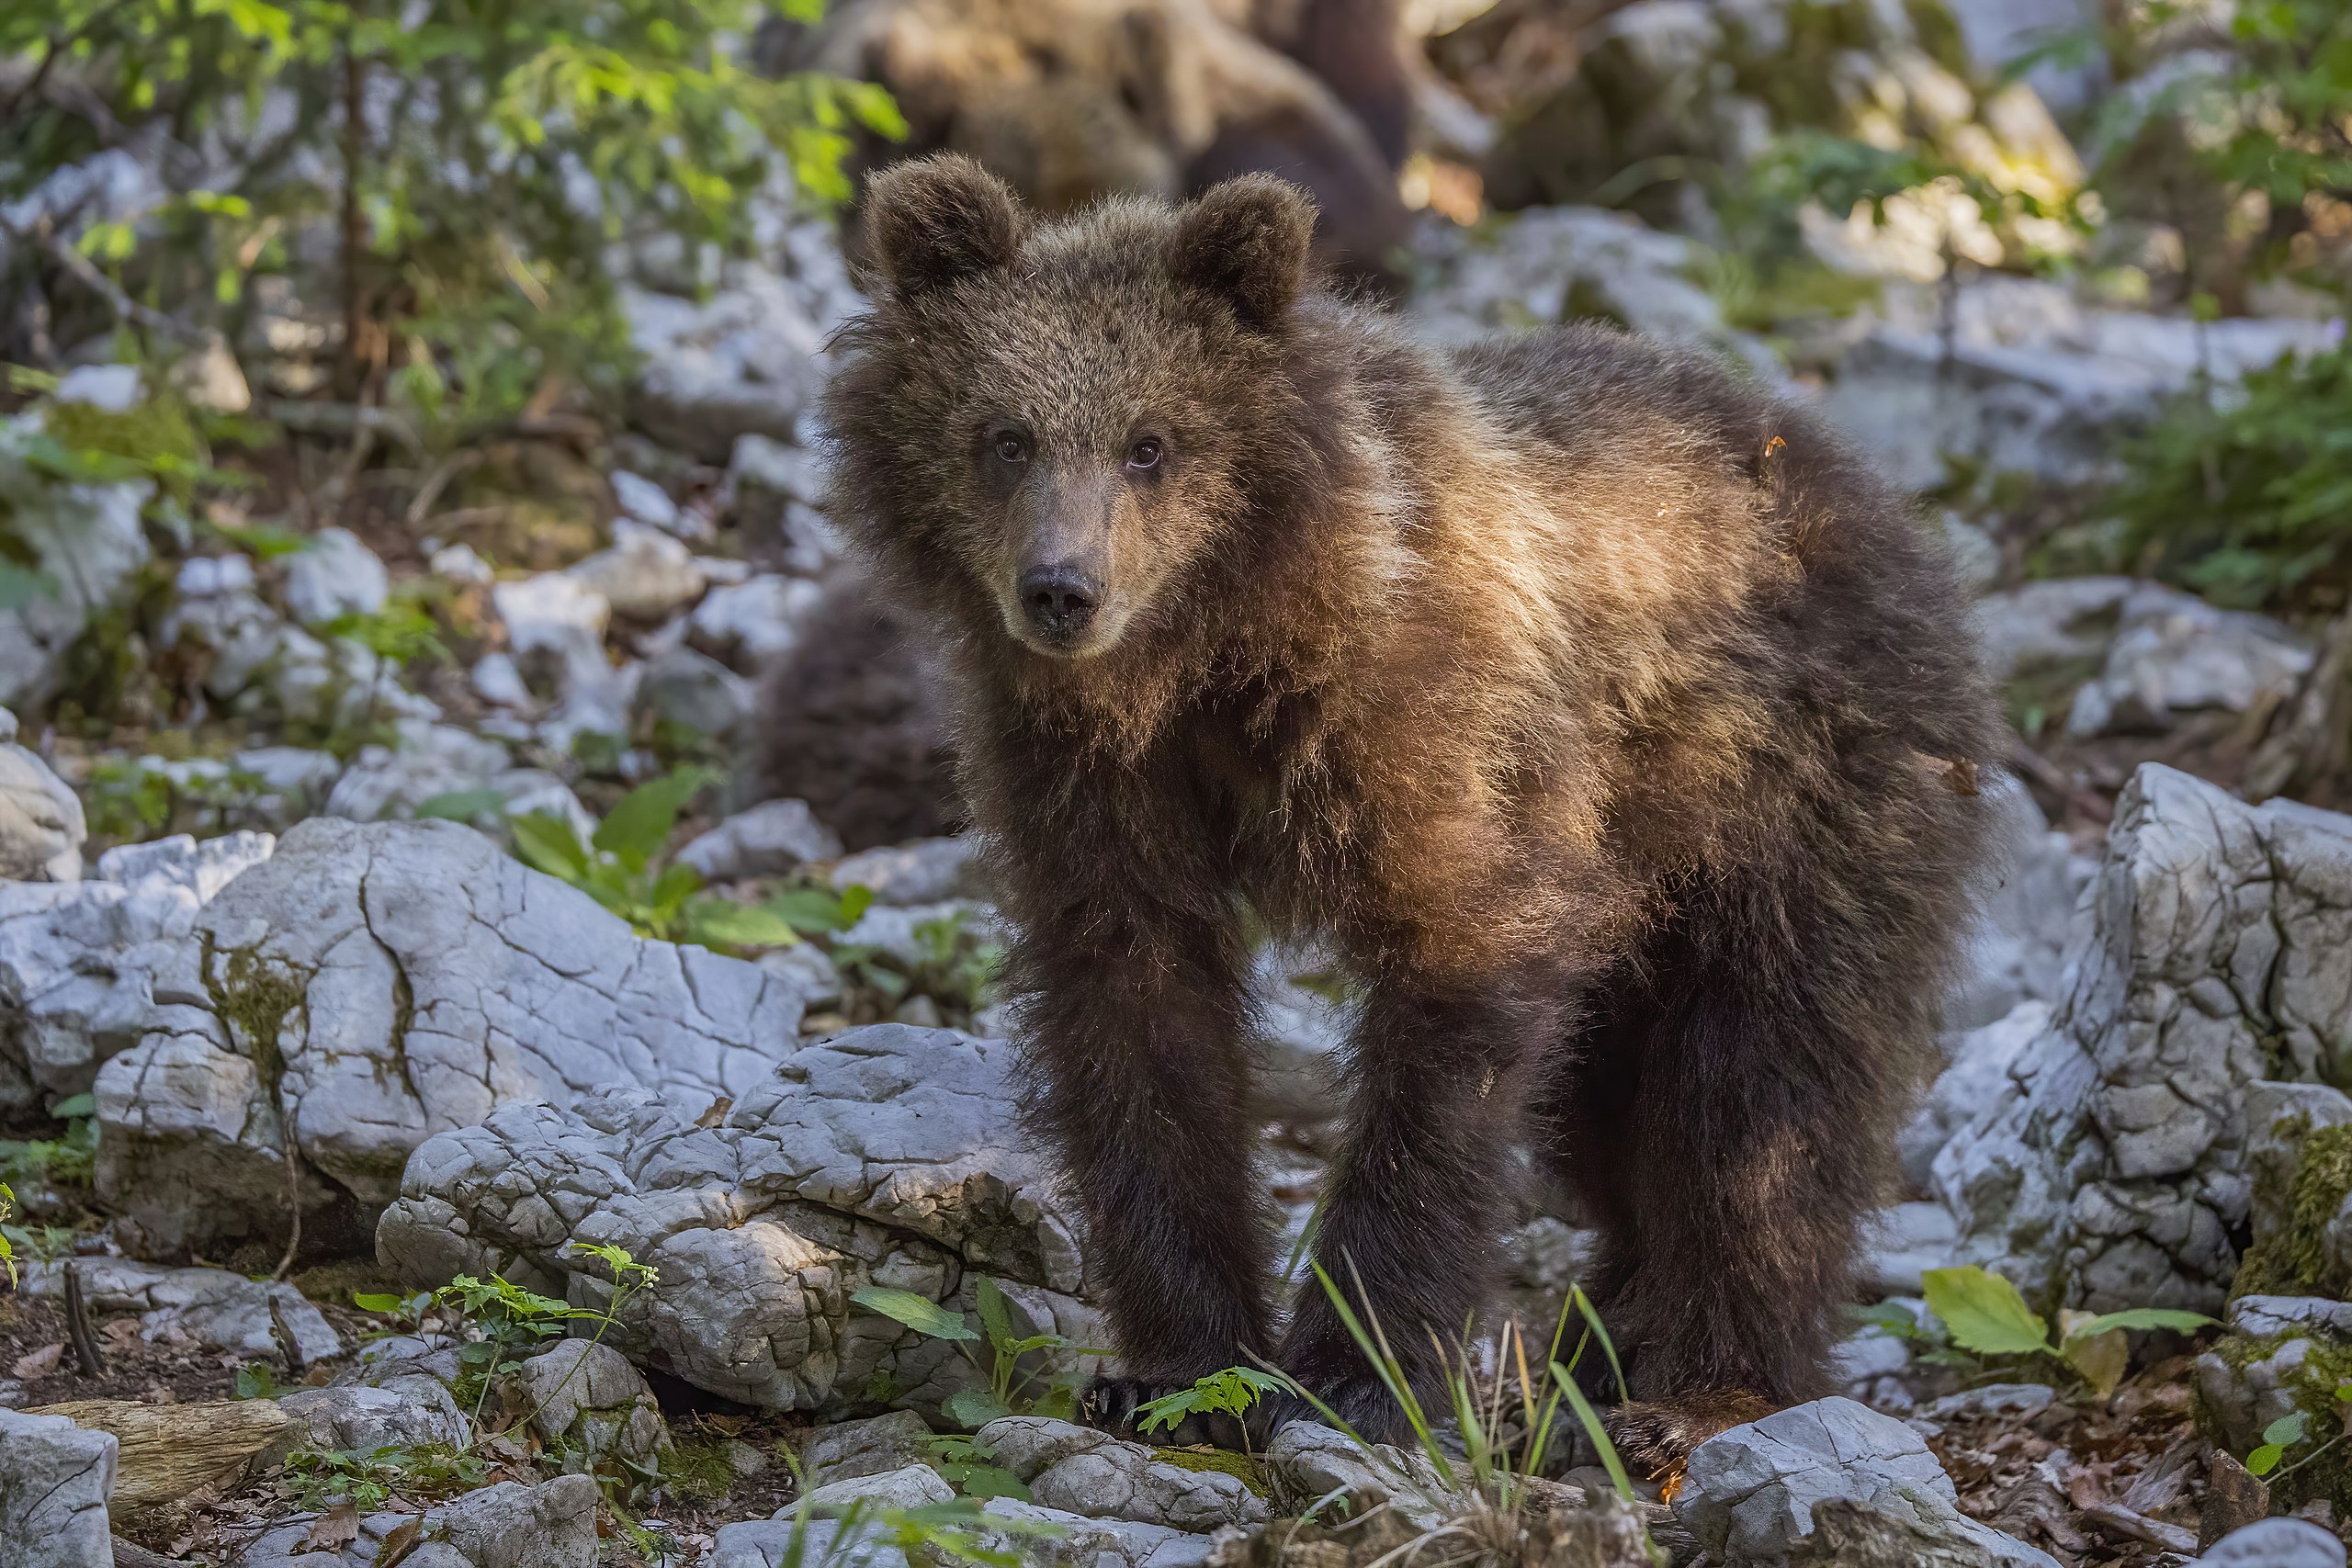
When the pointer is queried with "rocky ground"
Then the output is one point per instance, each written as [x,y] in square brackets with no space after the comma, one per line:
[406,1170]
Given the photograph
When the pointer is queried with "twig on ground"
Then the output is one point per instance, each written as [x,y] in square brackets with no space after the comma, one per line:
[77,1326]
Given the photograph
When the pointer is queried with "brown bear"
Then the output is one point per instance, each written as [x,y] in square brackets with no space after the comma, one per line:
[1619,729]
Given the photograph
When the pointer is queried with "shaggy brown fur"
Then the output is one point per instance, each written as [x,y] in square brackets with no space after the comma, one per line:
[1614,723]
[851,723]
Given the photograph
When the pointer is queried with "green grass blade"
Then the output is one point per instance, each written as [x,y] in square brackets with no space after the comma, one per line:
[1590,1420]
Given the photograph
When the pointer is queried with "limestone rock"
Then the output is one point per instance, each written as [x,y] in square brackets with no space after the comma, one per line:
[334,575]
[86,538]
[886,1156]
[646,576]
[912,1486]
[511,1525]
[42,828]
[78,961]
[256,1319]
[55,1479]
[1749,1494]
[1084,1471]
[588,1402]
[743,360]
[2275,1543]
[773,838]
[375,984]
[1318,1460]
[2174,655]
[418,1410]
[846,1450]
[926,871]
[2114,1160]
[787,1543]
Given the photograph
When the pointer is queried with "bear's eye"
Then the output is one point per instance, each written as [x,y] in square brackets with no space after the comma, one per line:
[1012,446]
[1144,453]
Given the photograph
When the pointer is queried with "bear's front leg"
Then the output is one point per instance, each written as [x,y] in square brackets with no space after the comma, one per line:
[1131,1035]
[1410,1224]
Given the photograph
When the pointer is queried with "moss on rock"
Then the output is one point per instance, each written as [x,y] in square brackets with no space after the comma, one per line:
[2292,1260]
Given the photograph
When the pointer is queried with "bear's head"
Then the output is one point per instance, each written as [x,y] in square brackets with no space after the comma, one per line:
[1052,429]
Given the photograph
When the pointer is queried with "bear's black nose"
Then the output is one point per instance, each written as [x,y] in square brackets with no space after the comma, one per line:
[1059,600]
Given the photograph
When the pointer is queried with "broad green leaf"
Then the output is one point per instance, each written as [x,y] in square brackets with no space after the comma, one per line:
[2144,1317]
[2100,1359]
[544,841]
[1984,1312]
[376,1301]
[991,1481]
[2265,1460]
[922,1314]
[974,1408]
[638,828]
[996,1315]
[75,1105]
[716,922]
[2289,1429]
[460,804]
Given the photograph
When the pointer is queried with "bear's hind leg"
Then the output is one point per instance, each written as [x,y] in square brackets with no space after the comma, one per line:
[1754,1144]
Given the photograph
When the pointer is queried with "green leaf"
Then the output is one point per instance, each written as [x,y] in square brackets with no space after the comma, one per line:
[20,586]
[2289,1429]
[544,841]
[996,1315]
[716,922]
[990,1480]
[2265,1460]
[2144,1317]
[75,1105]
[1984,1312]
[922,1314]
[974,1408]
[641,825]
[460,804]
[376,1301]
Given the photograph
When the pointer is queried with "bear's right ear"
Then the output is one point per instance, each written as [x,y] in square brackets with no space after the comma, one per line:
[932,220]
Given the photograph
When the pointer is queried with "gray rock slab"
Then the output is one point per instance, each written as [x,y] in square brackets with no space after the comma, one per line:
[374,983]
[56,1478]
[886,1156]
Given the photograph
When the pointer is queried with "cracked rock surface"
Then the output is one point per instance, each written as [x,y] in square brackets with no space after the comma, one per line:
[1081,1470]
[220,1311]
[1749,1494]
[551,1525]
[375,984]
[886,1156]
[2114,1160]
[56,1478]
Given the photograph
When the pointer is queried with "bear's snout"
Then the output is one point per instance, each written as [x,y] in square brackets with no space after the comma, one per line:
[1059,600]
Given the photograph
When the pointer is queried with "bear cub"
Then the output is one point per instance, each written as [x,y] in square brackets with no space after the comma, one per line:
[1615,725]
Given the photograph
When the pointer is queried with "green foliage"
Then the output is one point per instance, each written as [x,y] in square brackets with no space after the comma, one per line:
[497,157]
[258,1381]
[622,867]
[132,800]
[1229,1392]
[965,1463]
[2250,501]
[7,1248]
[2293,1258]
[368,1479]
[951,963]
[996,1349]
[1985,1313]
[68,1159]
[403,631]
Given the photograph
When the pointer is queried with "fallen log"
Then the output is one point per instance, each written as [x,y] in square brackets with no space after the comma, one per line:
[171,1451]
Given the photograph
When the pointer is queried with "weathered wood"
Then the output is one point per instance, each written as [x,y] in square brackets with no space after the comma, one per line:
[168,1451]
[130,1555]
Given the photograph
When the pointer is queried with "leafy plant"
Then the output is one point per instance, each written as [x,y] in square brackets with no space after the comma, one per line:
[1233,1392]
[258,1381]
[621,866]
[368,1479]
[2249,502]
[995,1349]
[7,1249]
[2291,1430]
[68,1160]
[1985,1313]
[970,1468]
[463,174]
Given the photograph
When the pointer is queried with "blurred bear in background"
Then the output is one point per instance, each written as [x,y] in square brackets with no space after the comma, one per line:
[1069,100]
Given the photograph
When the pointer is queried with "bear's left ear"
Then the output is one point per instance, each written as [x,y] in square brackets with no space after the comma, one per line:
[1246,241]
